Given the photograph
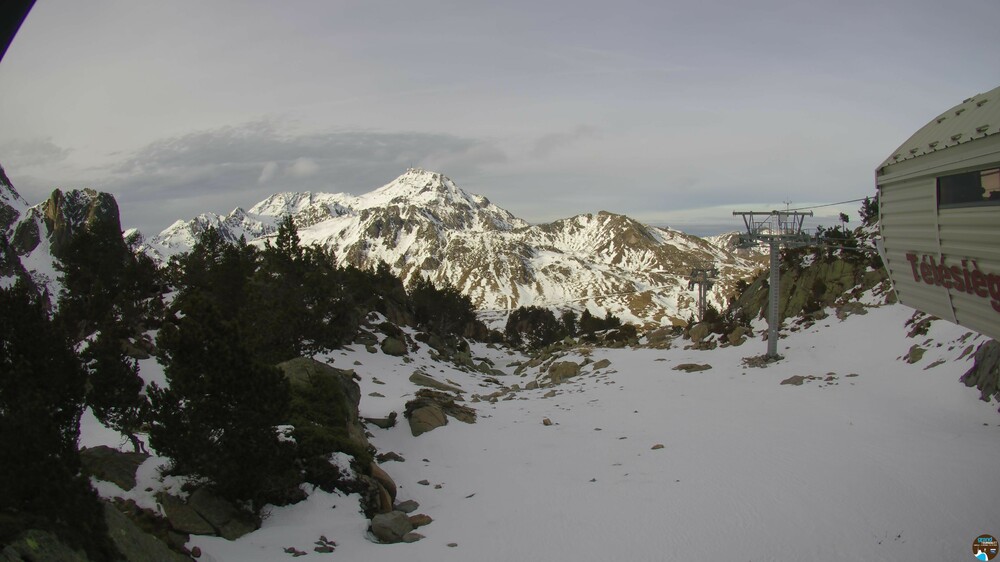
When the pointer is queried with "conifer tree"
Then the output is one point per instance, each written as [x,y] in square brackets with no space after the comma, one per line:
[41,399]
[278,310]
[115,389]
[568,319]
[444,311]
[534,326]
[217,418]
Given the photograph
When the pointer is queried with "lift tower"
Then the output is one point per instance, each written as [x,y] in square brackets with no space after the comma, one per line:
[777,228]
[704,277]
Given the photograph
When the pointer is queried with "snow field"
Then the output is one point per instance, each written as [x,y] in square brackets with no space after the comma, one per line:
[896,463]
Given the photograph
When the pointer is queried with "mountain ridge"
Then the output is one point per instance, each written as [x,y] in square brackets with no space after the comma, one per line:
[423,224]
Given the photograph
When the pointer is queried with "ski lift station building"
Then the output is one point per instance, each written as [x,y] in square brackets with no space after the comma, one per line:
[939,215]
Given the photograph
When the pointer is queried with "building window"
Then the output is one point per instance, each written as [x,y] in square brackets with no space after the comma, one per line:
[969,189]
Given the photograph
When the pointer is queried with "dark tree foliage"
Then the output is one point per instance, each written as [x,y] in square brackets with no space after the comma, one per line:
[217,270]
[839,241]
[869,211]
[712,314]
[217,418]
[590,323]
[299,300]
[533,326]
[104,280]
[41,399]
[115,389]
[443,311]
[568,320]
[278,312]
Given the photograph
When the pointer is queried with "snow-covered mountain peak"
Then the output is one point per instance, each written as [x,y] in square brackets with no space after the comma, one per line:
[438,198]
[303,205]
[419,185]
[423,225]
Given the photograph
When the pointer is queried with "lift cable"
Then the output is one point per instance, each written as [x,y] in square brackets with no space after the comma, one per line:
[829,204]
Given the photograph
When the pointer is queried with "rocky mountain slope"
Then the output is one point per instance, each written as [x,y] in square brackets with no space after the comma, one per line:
[422,224]
[33,238]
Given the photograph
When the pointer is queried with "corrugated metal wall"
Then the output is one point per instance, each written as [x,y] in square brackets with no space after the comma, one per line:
[909,225]
[912,224]
[973,233]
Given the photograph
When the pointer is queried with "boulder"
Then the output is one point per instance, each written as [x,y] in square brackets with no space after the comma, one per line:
[384,499]
[112,465]
[391,527]
[409,506]
[412,537]
[850,308]
[135,544]
[420,520]
[795,380]
[390,456]
[915,354]
[985,371]
[34,545]
[738,336]
[426,418]
[429,410]
[602,364]
[699,332]
[384,479]
[384,423]
[306,375]
[660,338]
[229,522]
[560,371]
[463,359]
[392,346]
[423,379]
[182,517]
[375,498]
[692,367]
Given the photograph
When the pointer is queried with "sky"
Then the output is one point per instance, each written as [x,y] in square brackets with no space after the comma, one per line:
[674,113]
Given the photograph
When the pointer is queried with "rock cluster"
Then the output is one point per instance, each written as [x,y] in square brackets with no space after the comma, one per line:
[985,371]
[204,513]
[430,409]
[396,526]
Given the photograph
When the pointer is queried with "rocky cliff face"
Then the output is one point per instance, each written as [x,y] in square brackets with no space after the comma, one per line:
[813,280]
[38,236]
[422,224]
[12,206]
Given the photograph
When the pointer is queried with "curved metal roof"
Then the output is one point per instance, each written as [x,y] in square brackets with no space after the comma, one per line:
[974,118]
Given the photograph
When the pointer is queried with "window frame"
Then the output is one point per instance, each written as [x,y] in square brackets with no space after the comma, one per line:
[983,172]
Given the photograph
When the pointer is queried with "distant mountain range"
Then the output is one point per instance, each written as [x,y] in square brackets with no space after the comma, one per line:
[422,224]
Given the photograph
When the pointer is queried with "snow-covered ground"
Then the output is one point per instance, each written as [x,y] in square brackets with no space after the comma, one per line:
[874,459]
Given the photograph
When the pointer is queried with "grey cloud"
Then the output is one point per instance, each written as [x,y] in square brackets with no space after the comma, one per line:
[34,152]
[238,166]
[465,160]
[547,144]
[268,173]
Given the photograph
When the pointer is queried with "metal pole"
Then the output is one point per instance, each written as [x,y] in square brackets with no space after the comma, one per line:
[775,293]
[701,297]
